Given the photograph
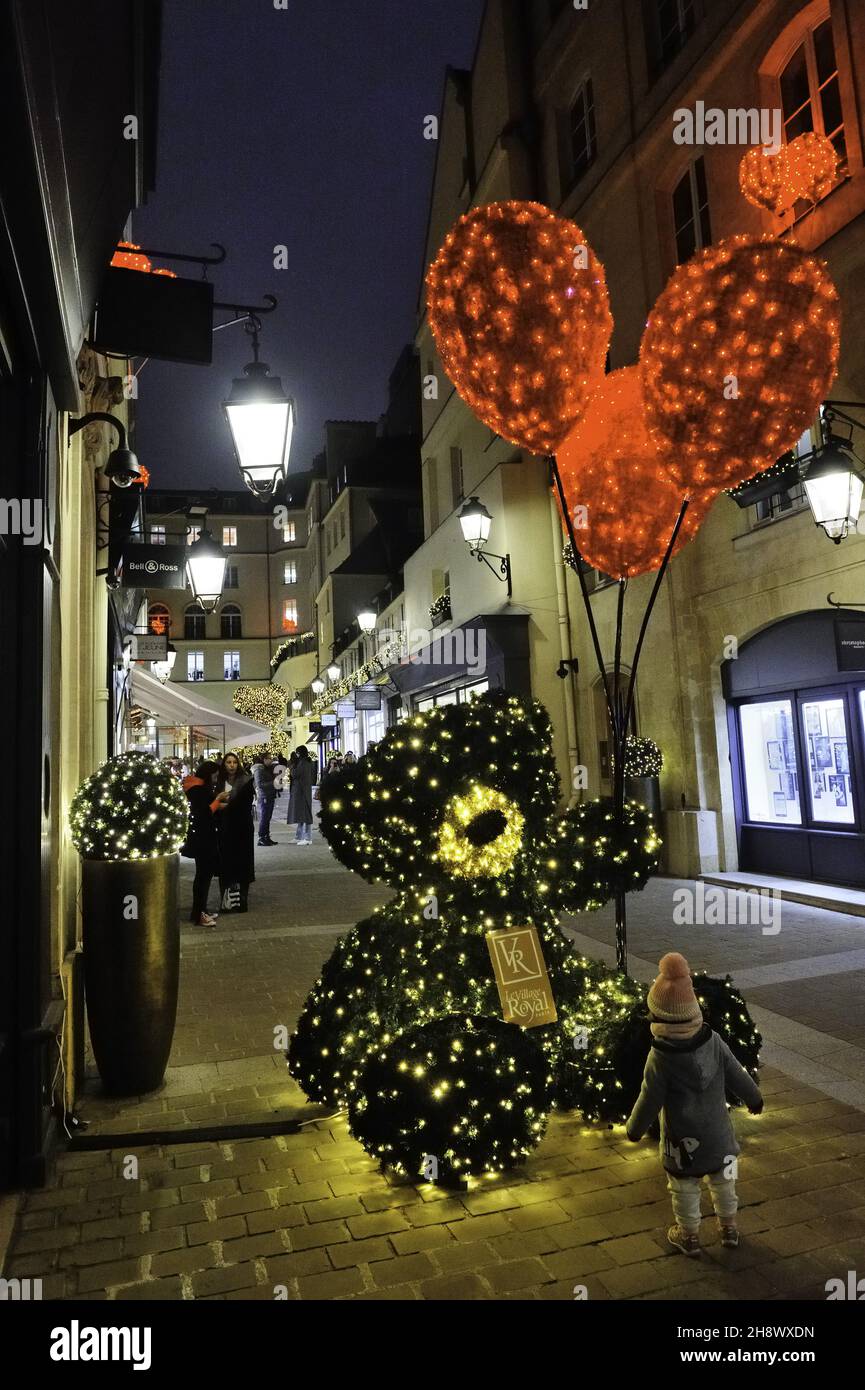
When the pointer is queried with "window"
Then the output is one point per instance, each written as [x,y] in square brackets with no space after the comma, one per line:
[470,693]
[581,145]
[230,577]
[289,615]
[230,621]
[229,535]
[157,535]
[194,629]
[231,666]
[193,534]
[289,572]
[159,618]
[691,211]
[328,538]
[195,666]
[669,25]
[289,531]
[791,500]
[457,492]
[825,732]
[430,483]
[342,527]
[769,758]
[810,93]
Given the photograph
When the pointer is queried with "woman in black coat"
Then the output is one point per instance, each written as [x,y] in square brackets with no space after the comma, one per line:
[201,844]
[236,791]
[300,798]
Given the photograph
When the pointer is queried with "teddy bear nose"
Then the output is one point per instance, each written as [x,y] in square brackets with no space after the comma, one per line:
[485,827]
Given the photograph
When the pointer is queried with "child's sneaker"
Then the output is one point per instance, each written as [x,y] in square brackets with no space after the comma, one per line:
[729,1236]
[686,1241]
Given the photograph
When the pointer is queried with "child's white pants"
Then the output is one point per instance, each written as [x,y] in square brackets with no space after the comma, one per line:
[685,1193]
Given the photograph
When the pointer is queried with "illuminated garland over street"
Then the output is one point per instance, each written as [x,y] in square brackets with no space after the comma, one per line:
[266,704]
[383,659]
[131,807]
[289,649]
[456,810]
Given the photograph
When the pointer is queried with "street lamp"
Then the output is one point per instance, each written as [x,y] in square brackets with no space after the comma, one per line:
[834,486]
[317,686]
[333,672]
[366,621]
[162,669]
[475,522]
[297,705]
[205,571]
[261,419]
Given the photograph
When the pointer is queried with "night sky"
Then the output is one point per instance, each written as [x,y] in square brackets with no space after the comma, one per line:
[304,127]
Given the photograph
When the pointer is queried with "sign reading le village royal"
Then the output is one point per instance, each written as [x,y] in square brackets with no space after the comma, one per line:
[153,567]
[521,976]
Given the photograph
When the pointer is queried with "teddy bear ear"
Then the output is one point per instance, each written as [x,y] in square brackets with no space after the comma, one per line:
[593,854]
[347,820]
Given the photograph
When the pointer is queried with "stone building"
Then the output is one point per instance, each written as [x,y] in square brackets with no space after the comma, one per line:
[576,107]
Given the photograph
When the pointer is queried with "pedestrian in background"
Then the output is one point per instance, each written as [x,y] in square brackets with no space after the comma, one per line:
[201,842]
[688,1073]
[235,793]
[300,798]
[265,790]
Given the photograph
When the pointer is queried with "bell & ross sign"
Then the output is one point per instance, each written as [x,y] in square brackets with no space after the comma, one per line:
[153,567]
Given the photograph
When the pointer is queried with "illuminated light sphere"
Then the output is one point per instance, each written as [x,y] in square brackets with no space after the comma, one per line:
[131,807]
[739,350]
[128,257]
[519,312]
[622,501]
[764,179]
[812,161]
[165,271]
[264,703]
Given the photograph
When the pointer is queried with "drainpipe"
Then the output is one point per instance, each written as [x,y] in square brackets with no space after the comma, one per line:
[565,651]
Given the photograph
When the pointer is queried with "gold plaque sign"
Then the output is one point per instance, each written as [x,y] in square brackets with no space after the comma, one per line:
[521,976]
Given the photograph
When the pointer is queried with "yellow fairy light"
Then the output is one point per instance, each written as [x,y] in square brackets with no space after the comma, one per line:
[460,844]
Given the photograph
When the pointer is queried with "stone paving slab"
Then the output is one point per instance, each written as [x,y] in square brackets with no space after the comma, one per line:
[308,1216]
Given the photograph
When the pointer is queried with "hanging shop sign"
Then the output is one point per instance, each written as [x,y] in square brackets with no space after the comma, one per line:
[367,699]
[154,566]
[153,315]
[521,976]
[345,709]
[150,646]
[850,644]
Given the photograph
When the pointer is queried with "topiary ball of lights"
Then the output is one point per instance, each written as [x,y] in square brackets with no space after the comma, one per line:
[131,807]
[468,1093]
[456,809]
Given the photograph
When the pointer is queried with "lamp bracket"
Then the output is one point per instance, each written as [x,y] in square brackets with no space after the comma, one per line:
[91,418]
[503,574]
[835,604]
[203,261]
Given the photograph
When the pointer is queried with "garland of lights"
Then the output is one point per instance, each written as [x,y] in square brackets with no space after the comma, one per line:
[376,666]
[440,606]
[131,807]
[288,649]
[456,810]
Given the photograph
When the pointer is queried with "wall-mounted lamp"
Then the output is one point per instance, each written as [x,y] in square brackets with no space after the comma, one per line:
[122,468]
[475,522]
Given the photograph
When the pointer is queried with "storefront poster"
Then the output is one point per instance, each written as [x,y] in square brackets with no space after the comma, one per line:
[773,751]
[822,750]
[838,789]
[842,761]
[779,801]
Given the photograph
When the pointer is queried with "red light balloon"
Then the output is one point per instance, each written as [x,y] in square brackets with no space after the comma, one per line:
[739,350]
[519,312]
[623,504]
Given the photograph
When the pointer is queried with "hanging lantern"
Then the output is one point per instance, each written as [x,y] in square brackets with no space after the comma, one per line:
[519,312]
[128,257]
[739,350]
[622,501]
[205,571]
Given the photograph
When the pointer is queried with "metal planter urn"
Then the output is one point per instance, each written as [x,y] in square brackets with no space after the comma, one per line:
[643,763]
[128,820]
[647,791]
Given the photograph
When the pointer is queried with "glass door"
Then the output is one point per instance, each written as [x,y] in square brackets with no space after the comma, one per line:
[769,762]
[826,736]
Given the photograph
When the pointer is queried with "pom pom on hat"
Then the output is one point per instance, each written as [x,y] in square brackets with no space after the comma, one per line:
[671,997]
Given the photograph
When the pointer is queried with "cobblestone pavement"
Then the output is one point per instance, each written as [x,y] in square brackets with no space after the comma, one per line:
[309,1216]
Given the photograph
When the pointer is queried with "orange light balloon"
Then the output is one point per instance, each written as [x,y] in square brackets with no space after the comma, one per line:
[623,504]
[813,164]
[739,350]
[764,179]
[128,257]
[519,312]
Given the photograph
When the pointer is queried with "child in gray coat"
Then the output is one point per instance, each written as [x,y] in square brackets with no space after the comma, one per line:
[688,1072]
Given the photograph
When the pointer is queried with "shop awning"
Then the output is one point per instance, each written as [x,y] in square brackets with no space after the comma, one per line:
[170,704]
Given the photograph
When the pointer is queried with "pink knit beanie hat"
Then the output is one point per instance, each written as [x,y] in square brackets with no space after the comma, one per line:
[671,997]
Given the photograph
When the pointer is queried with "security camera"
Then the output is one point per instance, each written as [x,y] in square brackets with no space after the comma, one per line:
[123,468]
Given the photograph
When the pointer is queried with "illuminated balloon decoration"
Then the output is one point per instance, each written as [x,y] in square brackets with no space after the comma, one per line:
[806,168]
[739,350]
[623,504]
[519,312]
[128,257]
[813,165]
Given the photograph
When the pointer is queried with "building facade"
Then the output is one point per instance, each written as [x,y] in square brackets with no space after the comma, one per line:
[740,683]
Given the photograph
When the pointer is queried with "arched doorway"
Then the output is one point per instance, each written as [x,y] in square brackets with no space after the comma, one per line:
[796,713]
